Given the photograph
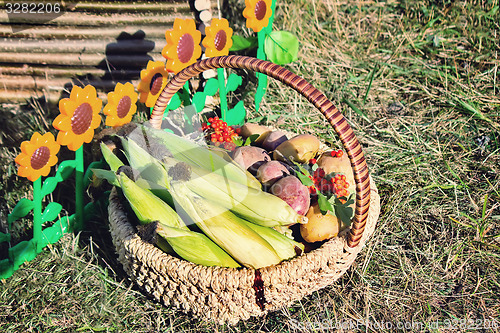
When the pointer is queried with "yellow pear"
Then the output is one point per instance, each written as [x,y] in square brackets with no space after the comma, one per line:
[320,227]
[300,149]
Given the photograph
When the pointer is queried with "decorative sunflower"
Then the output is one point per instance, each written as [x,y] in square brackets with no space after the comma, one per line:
[153,79]
[121,105]
[79,117]
[218,38]
[37,156]
[257,13]
[183,45]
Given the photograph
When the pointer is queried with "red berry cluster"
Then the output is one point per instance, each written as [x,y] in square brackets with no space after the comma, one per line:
[337,153]
[340,185]
[337,185]
[219,133]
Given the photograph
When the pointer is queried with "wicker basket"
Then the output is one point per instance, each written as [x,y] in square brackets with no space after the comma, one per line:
[227,295]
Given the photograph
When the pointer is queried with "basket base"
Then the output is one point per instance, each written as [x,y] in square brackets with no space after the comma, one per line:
[227,295]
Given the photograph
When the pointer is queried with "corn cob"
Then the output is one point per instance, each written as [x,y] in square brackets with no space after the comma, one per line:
[254,205]
[285,247]
[226,229]
[189,152]
[189,245]
[147,206]
[195,247]
[148,167]
[152,173]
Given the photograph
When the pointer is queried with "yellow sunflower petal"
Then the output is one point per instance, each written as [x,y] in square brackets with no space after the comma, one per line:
[77,116]
[65,138]
[257,13]
[218,38]
[182,47]
[35,161]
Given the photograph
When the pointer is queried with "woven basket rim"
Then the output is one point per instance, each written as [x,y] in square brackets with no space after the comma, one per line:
[342,237]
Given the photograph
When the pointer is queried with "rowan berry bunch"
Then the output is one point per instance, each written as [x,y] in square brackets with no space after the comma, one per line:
[337,153]
[328,184]
[218,133]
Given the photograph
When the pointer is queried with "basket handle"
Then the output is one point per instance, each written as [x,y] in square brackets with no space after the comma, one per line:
[313,95]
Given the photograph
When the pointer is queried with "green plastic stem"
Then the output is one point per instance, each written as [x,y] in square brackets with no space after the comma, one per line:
[261,54]
[26,251]
[37,214]
[221,78]
[79,171]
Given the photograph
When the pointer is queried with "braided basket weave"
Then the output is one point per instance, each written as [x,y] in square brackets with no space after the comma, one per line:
[227,295]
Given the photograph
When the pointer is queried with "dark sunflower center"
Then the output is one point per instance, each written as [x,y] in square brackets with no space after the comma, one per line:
[155,84]
[82,118]
[185,48]
[123,107]
[220,40]
[260,10]
[40,158]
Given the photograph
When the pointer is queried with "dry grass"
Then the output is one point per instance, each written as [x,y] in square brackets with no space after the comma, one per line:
[418,81]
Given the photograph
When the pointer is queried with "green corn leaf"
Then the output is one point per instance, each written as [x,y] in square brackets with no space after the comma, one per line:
[148,166]
[148,207]
[113,161]
[285,247]
[108,175]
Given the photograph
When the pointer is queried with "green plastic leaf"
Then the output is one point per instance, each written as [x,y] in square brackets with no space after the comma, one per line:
[281,47]
[175,102]
[49,185]
[51,211]
[233,82]
[23,207]
[22,252]
[261,89]
[211,87]
[242,43]
[65,170]
[4,237]
[236,115]
[199,101]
